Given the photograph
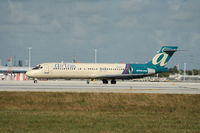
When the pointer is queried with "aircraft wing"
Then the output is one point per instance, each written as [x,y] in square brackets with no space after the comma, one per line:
[123,76]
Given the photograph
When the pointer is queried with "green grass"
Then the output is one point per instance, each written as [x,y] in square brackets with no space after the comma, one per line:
[26,112]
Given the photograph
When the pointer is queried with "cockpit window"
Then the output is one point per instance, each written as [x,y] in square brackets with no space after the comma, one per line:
[37,67]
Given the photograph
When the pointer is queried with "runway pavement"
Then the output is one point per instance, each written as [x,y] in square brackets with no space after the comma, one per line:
[97,86]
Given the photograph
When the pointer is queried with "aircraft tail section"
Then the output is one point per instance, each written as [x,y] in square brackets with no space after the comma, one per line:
[163,56]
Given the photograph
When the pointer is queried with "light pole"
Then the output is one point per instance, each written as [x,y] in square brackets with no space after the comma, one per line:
[29,57]
[95,56]
[184,70]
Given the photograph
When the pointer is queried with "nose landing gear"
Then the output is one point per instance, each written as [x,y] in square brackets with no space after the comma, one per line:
[35,81]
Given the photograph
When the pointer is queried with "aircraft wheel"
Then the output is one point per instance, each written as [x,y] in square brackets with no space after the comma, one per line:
[113,81]
[35,81]
[88,82]
[105,81]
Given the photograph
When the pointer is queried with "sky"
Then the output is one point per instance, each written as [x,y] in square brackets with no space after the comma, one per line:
[122,31]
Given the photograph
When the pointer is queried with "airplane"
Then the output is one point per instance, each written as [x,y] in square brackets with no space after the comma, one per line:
[103,71]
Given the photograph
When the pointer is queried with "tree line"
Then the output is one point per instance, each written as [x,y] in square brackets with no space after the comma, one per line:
[174,70]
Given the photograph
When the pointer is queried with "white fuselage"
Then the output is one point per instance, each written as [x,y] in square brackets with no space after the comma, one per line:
[75,70]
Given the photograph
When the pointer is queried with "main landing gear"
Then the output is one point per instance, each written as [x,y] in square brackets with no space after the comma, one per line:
[113,81]
[105,81]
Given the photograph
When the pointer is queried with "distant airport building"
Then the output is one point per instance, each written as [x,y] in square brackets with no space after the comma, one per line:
[184,77]
[13,73]
[189,77]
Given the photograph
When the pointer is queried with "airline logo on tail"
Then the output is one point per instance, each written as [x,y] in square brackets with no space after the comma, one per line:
[164,55]
[160,59]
